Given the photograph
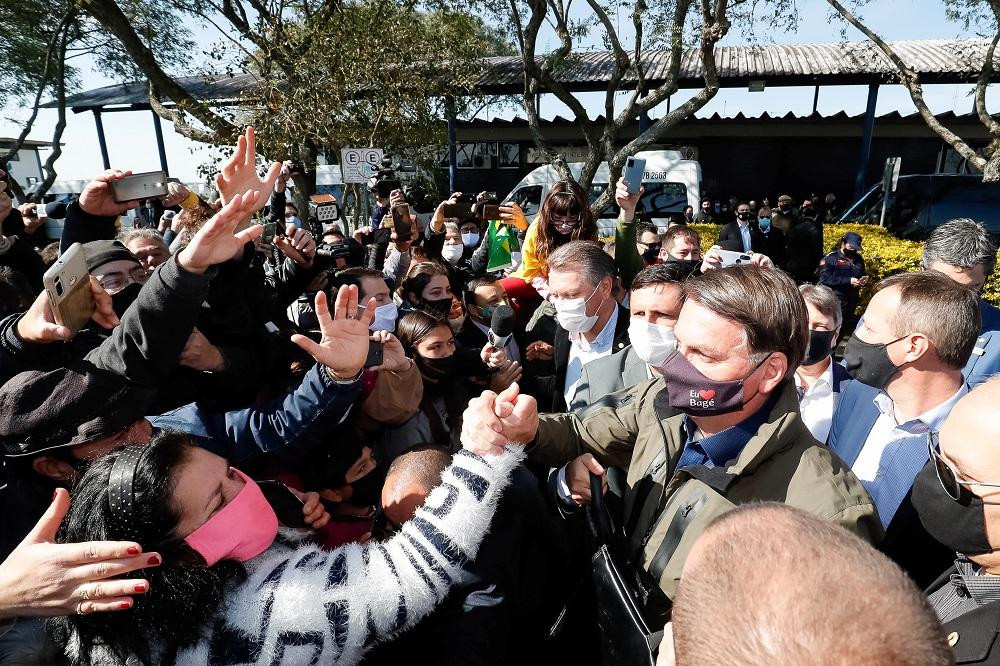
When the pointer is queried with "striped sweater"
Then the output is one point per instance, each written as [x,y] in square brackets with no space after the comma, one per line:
[302,605]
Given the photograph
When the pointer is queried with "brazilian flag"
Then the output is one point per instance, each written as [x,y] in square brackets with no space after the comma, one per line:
[502,242]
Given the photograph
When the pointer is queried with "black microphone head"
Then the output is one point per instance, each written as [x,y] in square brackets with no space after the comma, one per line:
[502,323]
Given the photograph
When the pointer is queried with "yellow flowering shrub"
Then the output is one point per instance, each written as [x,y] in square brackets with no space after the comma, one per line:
[884,254]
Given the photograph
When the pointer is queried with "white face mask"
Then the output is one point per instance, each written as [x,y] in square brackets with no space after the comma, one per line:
[385,318]
[652,343]
[456,323]
[452,253]
[470,239]
[572,313]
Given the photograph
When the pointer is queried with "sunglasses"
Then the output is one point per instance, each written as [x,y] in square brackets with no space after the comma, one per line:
[947,475]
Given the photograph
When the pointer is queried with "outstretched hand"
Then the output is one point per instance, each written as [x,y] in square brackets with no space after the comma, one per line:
[239,173]
[97,198]
[44,578]
[343,347]
[216,242]
[38,324]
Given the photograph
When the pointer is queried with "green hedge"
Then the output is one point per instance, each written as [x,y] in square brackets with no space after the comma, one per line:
[884,254]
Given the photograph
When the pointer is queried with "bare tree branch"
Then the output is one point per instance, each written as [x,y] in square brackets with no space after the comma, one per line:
[49,166]
[53,46]
[911,81]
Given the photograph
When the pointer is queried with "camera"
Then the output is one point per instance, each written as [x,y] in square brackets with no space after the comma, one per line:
[337,256]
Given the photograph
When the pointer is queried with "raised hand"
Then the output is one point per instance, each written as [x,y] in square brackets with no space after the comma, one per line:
[627,202]
[239,173]
[39,325]
[394,359]
[313,511]
[298,245]
[97,198]
[216,241]
[43,578]
[495,358]
[344,345]
[511,213]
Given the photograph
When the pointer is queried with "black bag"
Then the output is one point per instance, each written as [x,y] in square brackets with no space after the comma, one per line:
[625,635]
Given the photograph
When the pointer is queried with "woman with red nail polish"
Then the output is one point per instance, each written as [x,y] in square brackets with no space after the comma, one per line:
[40,578]
[235,585]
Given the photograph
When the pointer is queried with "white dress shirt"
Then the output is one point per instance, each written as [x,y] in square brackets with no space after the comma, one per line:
[817,403]
[582,352]
[745,233]
[895,452]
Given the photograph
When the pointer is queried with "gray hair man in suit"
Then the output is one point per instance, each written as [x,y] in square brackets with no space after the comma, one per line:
[654,303]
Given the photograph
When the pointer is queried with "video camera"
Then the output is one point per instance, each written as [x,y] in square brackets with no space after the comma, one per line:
[337,256]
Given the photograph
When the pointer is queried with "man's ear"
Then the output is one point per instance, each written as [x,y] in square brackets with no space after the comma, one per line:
[774,371]
[916,345]
[53,468]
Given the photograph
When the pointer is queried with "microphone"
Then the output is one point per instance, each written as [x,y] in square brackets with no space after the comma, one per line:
[501,326]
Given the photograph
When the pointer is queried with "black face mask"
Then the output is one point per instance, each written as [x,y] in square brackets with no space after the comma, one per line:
[368,489]
[439,308]
[125,298]
[819,347]
[784,208]
[870,363]
[743,217]
[958,524]
[438,368]
[651,253]
[692,264]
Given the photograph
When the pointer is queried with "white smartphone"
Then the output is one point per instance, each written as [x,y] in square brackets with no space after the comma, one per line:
[67,283]
[730,258]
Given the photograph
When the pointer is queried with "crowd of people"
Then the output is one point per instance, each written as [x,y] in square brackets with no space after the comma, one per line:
[283,441]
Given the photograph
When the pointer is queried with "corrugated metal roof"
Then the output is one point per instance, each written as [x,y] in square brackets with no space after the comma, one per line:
[937,61]
[840,116]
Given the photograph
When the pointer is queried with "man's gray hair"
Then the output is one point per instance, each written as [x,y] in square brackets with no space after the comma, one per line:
[130,235]
[585,257]
[823,299]
[963,243]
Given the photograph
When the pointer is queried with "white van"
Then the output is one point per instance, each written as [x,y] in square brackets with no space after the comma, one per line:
[671,183]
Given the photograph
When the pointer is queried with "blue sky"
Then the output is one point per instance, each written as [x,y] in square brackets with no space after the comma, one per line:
[131,142]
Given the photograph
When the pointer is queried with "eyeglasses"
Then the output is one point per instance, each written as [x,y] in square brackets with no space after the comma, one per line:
[116,282]
[566,221]
[947,475]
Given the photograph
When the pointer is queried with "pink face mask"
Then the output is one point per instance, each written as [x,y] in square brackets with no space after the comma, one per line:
[241,531]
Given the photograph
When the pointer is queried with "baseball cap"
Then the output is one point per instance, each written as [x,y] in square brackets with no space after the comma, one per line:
[852,241]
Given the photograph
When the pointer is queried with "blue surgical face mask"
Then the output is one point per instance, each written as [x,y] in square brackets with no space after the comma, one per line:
[765,224]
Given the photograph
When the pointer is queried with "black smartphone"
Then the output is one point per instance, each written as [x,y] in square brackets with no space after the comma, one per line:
[457,211]
[375,354]
[491,212]
[468,198]
[286,504]
[401,222]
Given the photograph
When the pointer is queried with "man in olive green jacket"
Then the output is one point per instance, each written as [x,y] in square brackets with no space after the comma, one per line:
[721,428]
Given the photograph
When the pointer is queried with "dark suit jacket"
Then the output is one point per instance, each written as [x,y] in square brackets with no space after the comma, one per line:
[906,541]
[773,244]
[550,388]
[973,636]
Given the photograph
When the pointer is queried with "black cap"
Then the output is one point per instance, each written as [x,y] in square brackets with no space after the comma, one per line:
[41,411]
